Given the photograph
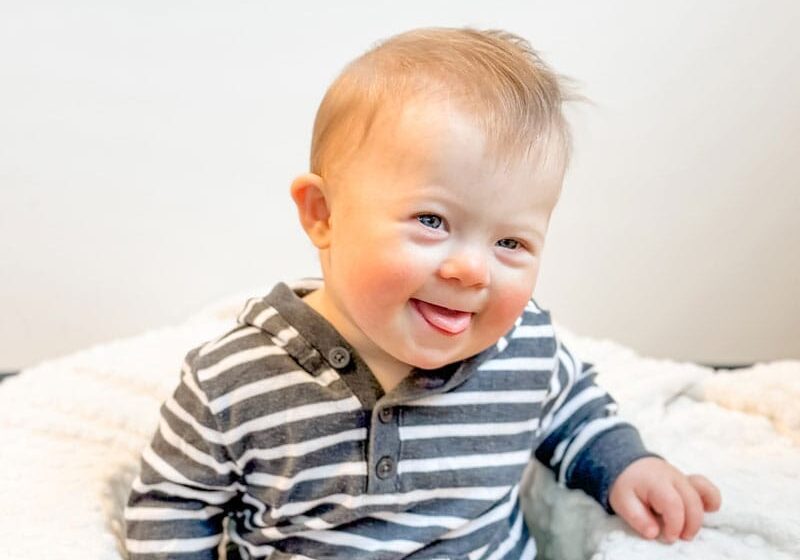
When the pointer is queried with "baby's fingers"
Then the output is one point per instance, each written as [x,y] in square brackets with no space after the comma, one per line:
[667,502]
[637,515]
[693,509]
[709,493]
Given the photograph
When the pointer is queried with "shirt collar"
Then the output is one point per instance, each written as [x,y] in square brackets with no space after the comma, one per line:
[316,345]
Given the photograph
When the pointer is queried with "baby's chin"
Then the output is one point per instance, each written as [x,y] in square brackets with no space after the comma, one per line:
[432,362]
[436,358]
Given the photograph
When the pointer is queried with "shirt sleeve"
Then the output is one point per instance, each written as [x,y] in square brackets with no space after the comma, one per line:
[180,499]
[583,441]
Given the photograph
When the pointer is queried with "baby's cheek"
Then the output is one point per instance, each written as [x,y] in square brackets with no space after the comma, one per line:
[384,276]
[511,302]
[379,271]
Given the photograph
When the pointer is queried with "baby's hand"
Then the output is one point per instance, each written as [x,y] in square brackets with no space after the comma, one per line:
[650,487]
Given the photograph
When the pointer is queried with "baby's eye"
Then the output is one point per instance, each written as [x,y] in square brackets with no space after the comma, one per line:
[509,244]
[430,220]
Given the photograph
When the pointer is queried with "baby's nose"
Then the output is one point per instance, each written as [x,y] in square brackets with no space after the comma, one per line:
[469,267]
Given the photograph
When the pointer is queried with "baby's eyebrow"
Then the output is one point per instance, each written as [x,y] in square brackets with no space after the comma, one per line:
[528,231]
[433,192]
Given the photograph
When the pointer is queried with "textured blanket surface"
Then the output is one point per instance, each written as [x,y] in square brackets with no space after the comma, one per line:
[72,429]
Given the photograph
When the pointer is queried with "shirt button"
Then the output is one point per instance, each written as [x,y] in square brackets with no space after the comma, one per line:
[386,415]
[385,468]
[338,357]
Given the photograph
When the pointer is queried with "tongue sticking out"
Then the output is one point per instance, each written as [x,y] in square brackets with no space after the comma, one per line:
[448,320]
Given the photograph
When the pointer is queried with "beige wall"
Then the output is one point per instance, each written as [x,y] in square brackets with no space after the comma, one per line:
[146,150]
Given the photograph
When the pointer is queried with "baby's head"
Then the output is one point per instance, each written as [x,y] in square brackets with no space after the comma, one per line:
[436,161]
[494,77]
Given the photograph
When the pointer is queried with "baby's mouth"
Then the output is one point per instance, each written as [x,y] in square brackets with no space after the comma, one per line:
[448,320]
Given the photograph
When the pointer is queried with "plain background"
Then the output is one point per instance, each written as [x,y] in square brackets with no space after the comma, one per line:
[146,151]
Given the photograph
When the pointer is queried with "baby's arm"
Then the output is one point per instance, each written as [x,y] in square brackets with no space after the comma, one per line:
[179,501]
[583,441]
[588,447]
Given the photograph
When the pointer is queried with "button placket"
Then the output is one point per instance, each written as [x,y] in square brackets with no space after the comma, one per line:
[384,450]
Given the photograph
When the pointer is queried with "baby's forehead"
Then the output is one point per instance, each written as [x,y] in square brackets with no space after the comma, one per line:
[419,158]
[427,129]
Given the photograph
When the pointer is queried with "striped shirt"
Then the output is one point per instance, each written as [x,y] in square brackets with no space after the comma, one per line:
[280,436]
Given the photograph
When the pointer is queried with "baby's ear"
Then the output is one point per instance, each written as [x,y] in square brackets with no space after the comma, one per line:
[310,194]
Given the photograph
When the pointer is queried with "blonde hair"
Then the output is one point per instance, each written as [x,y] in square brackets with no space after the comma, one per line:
[494,75]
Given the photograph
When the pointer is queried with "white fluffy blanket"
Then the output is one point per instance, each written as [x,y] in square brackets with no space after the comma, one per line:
[71,431]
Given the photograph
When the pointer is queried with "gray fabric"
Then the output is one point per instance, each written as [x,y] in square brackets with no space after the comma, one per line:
[430,470]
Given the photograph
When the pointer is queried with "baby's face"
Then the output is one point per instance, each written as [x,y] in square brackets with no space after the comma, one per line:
[434,248]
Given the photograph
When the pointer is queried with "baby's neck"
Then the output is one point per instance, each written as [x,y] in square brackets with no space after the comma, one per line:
[388,376]
[389,373]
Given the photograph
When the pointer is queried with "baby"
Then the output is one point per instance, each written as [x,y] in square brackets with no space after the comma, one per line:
[388,410]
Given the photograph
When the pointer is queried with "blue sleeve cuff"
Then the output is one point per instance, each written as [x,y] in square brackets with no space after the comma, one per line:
[599,464]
